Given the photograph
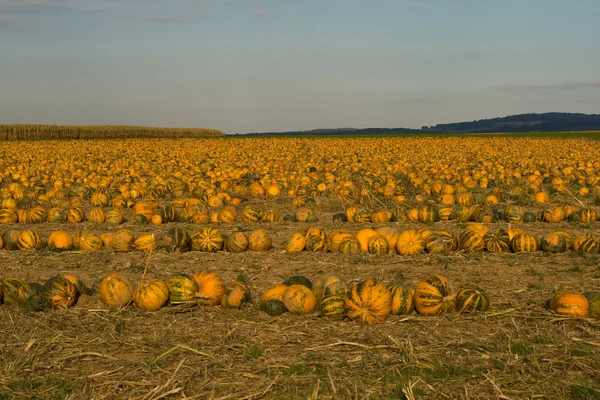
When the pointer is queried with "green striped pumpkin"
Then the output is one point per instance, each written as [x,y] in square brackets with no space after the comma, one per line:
[182,288]
[429,214]
[590,246]
[472,299]
[402,301]
[378,244]
[524,243]
[434,296]
[471,241]
[553,243]
[497,241]
[350,245]
[31,297]
[29,240]
[11,288]
[209,240]
[333,307]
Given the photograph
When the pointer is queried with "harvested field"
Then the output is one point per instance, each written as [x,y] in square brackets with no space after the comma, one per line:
[517,349]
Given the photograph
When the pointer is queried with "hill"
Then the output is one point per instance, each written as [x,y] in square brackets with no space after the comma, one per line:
[546,122]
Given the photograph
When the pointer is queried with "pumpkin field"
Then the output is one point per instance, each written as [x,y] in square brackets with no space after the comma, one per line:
[299,268]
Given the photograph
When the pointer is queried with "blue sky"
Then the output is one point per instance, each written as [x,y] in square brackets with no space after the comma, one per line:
[267,65]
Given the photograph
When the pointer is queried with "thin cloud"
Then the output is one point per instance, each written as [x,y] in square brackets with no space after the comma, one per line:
[166,20]
[548,86]
[260,12]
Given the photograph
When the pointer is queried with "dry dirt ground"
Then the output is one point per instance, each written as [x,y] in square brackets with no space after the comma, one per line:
[517,350]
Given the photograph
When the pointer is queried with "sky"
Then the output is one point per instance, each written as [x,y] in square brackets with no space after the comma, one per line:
[279,65]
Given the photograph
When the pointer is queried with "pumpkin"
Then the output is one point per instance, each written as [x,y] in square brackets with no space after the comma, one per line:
[96,215]
[553,243]
[273,307]
[410,242]
[378,244]
[350,245]
[167,214]
[588,215]
[209,240]
[303,214]
[497,241]
[10,288]
[329,285]
[29,240]
[594,304]
[298,299]
[390,234]
[363,237]
[402,300]
[30,296]
[151,295]
[296,243]
[227,214]
[236,242]
[143,208]
[176,239]
[471,241]
[572,304]
[60,241]
[273,293]
[145,243]
[87,241]
[8,216]
[434,296]
[333,307]
[115,290]
[589,245]
[80,287]
[269,216]
[259,240]
[524,243]
[567,237]
[114,217]
[379,216]
[56,216]
[210,288]
[340,217]
[182,288]
[75,215]
[361,216]
[576,244]
[236,294]
[37,215]
[123,241]
[10,239]
[59,292]
[250,214]
[554,214]
[369,301]
[529,216]
[472,299]
[429,214]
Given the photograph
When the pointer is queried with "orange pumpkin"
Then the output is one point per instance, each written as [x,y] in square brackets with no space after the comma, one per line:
[60,241]
[151,295]
[369,301]
[210,288]
[115,290]
[298,299]
[572,304]
[259,240]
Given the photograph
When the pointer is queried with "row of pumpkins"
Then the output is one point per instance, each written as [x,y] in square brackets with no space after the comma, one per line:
[382,240]
[462,213]
[187,211]
[476,237]
[207,239]
[367,301]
